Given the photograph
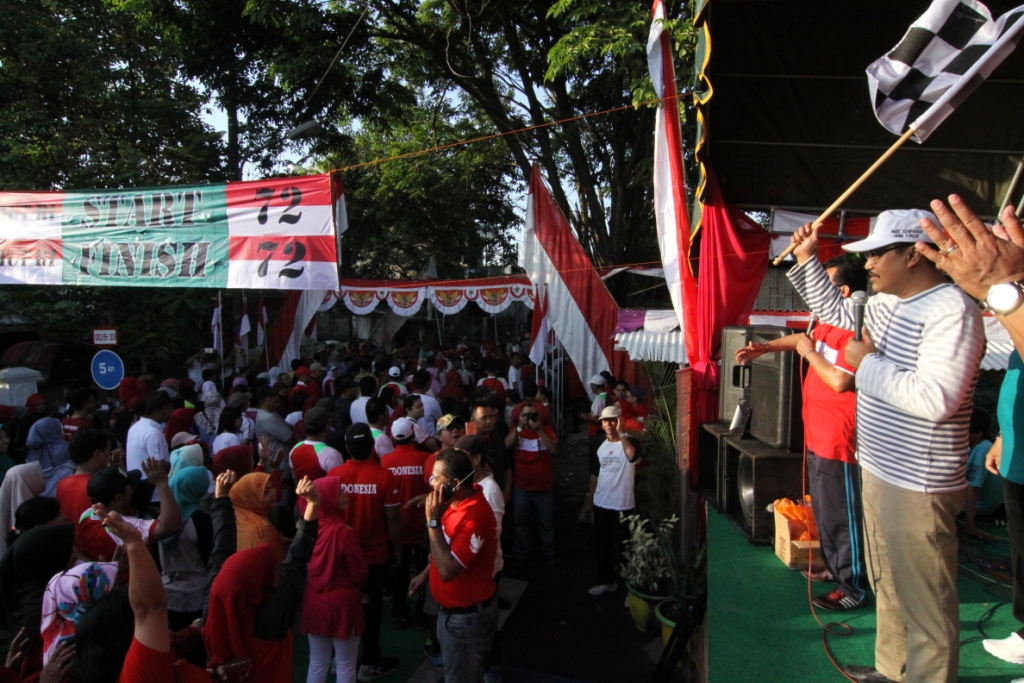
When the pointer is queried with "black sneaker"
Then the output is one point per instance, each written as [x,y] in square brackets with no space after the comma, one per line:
[385,667]
[838,601]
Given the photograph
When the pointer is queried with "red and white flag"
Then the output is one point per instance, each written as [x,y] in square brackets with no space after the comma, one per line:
[217,327]
[261,322]
[242,336]
[669,182]
[540,329]
[582,314]
[285,340]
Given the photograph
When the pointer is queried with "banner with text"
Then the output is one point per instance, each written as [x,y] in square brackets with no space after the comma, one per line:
[263,234]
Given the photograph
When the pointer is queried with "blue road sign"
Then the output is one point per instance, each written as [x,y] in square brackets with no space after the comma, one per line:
[107,369]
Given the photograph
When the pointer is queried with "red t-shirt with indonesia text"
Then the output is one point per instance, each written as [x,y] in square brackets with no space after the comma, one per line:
[829,418]
[73,425]
[406,464]
[531,468]
[146,664]
[470,530]
[370,489]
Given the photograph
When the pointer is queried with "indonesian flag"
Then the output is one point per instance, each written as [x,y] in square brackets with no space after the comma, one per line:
[261,322]
[670,183]
[216,327]
[296,314]
[242,337]
[540,329]
[582,313]
[311,328]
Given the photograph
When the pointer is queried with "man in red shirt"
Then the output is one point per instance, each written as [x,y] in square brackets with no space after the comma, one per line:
[830,407]
[533,483]
[374,513]
[82,403]
[90,451]
[313,458]
[463,545]
[406,464]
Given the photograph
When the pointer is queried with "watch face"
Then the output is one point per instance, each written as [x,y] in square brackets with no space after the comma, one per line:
[1003,297]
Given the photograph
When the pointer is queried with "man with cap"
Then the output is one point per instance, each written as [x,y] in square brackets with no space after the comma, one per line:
[374,513]
[394,381]
[611,495]
[405,461]
[304,383]
[917,365]
[111,491]
[146,438]
[316,378]
[450,428]
[313,458]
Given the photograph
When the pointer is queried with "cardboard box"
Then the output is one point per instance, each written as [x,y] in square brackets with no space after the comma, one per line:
[794,553]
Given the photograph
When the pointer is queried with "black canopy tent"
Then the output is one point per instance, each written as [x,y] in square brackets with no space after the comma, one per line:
[789,121]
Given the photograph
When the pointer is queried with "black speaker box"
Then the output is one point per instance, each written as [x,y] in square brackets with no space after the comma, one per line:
[763,475]
[713,467]
[775,397]
[736,379]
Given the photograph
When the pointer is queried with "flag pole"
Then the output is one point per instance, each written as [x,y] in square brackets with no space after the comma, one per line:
[851,189]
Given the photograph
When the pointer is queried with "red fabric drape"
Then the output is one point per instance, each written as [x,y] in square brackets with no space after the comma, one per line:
[733,261]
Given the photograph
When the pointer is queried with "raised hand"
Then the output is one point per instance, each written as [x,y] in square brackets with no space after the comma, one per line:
[116,525]
[222,485]
[154,471]
[307,489]
[16,651]
[61,665]
[806,240]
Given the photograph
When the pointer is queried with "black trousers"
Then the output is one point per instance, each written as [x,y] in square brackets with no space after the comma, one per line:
[609,535]
[835,498]
[373,613]
[414,557]
[1013,499]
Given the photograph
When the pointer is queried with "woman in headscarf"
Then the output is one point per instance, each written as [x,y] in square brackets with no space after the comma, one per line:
[237,459]
[127,394]
[184,555]
[23,482]
[36,409]
[332,612]
[28,566]
[209,417]
[182,420]
[189,455]
[68,595]
[46,445]
[249,617]
[452,389]
[253,497]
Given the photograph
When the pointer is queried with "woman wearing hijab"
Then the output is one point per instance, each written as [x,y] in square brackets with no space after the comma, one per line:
[452,389]
[332,612]
[25,570]
[46,445]
[23,482]
[189,455]
[184,555]
[238,459]
[253,497]
[37,408]
[249,617]
[68,595]
[209,417]
[182,420]
[127,394]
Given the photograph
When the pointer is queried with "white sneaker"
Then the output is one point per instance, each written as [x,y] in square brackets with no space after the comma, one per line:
[602,588]
[1008,649]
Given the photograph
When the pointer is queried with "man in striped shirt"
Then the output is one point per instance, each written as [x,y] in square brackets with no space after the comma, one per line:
[916,370]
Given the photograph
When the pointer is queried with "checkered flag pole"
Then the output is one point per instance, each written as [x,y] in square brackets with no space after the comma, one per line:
[945,55]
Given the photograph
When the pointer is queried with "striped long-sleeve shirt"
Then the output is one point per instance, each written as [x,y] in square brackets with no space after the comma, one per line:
[916,392]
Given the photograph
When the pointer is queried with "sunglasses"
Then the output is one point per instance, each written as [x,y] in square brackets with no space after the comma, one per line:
[875,254]
[530,416]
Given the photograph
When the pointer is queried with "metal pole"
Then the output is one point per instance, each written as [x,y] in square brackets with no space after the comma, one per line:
[1012,187]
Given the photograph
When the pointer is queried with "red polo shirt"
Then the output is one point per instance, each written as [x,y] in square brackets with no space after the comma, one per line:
[406,464]
[470,530]
[370,489]
[531,468]
[830,419]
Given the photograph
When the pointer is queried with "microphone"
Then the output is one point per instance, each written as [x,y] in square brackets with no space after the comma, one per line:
[860,300]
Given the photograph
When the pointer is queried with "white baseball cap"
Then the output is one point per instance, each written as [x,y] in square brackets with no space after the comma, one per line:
[899,226]
[394,371]
[598,380]
[403,428]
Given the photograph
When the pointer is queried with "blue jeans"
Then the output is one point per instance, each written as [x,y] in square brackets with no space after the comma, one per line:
[523,502]
[466,642]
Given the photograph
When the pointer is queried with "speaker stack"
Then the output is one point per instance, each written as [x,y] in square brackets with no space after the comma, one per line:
[754,454]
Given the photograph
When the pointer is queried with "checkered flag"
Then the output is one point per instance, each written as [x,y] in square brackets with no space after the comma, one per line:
[945,55]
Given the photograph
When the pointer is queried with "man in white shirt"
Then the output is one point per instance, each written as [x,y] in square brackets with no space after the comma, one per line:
[367,390]
[431,408]
[146,437]
[515,377]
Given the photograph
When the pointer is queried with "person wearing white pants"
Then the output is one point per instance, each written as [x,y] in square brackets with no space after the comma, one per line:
[345,653]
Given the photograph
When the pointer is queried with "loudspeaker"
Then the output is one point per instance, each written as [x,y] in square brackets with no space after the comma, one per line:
[712,463]
[775,398]
[763,475]
[736,379]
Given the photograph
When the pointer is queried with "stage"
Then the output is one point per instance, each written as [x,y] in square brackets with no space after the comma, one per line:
[761,627]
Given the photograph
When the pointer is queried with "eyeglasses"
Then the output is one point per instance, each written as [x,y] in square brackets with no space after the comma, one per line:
[530,416]
[875,254]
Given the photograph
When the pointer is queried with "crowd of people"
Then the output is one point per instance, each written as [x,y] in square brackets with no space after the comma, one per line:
[181,531]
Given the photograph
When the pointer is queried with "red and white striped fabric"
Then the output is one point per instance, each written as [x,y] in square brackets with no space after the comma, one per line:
[669,182]
[242,336]
[30,238]
[540,330]
[261,322]
[285,228]
[296,315]
[583,314]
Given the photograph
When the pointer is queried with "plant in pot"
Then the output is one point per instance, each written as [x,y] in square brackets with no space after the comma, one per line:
[646,567]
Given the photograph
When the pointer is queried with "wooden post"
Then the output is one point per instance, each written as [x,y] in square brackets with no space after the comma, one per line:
[851,189]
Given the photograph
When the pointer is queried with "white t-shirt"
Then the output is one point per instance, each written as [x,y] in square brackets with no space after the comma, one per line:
[293,418]
[431,414]
[598,405]
[496,500]
[357,411]
[515,377]
[226,440]
[615,482]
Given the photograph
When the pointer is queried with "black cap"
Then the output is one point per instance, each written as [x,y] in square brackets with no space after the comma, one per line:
[108,483]
[358,433]
[474,444]
[316,420]
[156,400]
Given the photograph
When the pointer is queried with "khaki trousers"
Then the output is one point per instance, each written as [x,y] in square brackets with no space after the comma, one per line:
[911,551]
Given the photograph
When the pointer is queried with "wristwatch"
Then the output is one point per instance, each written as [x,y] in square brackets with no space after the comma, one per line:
[1005,298]
[433,523]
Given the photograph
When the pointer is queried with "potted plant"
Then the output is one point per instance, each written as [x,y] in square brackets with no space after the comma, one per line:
[647,568]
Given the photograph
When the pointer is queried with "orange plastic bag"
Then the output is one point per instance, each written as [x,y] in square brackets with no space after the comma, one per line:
[801,518]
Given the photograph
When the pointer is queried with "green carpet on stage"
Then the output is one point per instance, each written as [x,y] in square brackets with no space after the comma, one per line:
[761,627]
